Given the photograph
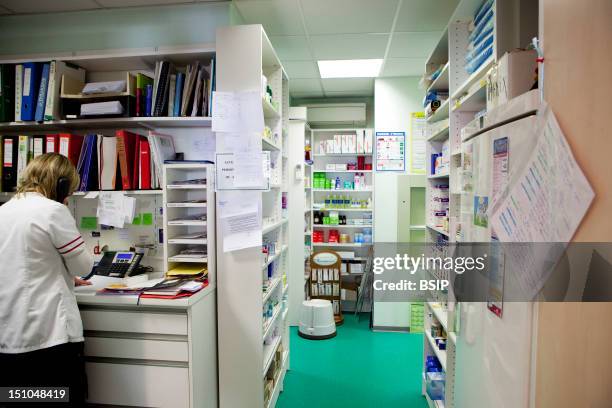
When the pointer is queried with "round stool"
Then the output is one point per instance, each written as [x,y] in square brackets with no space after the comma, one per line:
[317,320]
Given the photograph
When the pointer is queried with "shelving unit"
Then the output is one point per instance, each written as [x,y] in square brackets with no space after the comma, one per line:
[181,204]
[467,98]
[253,336]
[322,160]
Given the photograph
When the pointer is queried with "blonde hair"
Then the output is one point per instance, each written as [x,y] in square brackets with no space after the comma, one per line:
[43,172]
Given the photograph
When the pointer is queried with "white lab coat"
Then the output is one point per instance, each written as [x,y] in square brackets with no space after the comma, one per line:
[41,251]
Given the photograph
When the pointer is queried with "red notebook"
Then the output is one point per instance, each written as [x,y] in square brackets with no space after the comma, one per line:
[145,164]
[126,145]
[70,146]
[136,164]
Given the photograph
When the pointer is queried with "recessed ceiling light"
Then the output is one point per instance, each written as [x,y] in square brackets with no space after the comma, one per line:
[361,68]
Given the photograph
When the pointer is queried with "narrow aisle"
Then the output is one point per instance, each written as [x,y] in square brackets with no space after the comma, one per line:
[358,368]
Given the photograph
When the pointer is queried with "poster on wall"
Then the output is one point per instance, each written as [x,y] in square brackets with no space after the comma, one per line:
[418,136]
[390,151]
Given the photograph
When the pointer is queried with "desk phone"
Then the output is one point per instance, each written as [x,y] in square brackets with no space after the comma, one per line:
[118,264]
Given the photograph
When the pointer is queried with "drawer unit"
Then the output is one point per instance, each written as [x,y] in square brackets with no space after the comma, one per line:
[138,385]
[134,321]
[133,348]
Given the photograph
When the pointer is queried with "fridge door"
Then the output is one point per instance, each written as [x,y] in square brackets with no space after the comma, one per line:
[493,355]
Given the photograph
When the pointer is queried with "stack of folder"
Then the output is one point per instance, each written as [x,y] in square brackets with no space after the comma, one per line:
[123,161]
[31,91]
[173,92]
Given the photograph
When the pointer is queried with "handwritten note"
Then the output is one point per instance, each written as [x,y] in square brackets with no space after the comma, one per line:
[240,213]
[237,112]
[545,202]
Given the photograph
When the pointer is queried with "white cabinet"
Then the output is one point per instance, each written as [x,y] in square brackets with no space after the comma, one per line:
[152,353]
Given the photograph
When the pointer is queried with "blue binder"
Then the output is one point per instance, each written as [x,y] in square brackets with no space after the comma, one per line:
[178,95]
[42,93]
[148,100]
[87,161]
[31,82]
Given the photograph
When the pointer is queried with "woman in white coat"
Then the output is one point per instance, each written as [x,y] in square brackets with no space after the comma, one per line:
[41,255]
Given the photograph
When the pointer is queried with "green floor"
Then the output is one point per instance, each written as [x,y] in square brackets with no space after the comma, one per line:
[358,369]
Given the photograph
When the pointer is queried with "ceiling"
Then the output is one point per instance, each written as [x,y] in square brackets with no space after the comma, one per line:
[401,32]
[53,6]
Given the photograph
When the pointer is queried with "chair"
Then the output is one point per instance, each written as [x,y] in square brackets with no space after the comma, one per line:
[325,280]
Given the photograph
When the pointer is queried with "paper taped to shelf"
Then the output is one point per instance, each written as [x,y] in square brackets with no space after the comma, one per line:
[545,202]
[243,171]
[240,214]
[115,209]
[237,112]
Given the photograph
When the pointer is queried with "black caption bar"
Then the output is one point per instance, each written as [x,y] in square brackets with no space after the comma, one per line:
[34,394]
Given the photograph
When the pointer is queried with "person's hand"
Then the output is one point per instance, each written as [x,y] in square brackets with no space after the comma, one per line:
[81,282]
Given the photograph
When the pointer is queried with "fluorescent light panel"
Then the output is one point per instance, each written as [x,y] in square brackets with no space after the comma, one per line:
[361,68]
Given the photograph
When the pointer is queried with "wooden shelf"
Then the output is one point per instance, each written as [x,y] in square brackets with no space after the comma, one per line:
[341,226]
[269,110]
[269,352]
[268,293]
[107,123]
[441,315]
[438,230]
[338,244]
[440,136]
[342,171]
[268,144]
[344,209]
[472,79]
[324,190]
[341,154]
[441,82]
[440,113]
[441,354]
[473,102]
[438,176]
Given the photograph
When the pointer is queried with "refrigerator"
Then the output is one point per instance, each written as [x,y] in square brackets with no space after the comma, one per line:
[493,356]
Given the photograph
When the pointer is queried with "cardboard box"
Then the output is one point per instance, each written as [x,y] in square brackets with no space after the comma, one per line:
[360,140]
[513,76]
[368,141]
[337,144]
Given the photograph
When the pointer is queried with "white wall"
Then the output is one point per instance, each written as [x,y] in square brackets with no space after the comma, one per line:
[133,27]
[394,100]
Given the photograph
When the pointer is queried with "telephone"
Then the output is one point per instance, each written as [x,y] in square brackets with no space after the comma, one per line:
[62,189]
[119,264]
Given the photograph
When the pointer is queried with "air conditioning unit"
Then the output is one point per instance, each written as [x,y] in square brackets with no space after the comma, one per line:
[337,114]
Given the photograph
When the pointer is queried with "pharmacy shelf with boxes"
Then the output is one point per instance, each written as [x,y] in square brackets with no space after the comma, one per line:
[342,188]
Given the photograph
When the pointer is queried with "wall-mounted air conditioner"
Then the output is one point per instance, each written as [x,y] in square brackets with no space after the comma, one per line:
[337,114]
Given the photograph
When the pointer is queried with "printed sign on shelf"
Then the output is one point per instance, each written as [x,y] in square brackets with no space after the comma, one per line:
[243,171]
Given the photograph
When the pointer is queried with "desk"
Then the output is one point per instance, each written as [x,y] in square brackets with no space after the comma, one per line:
[157,352]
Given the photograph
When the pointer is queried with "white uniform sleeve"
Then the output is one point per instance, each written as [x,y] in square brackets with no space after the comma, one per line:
[69,243]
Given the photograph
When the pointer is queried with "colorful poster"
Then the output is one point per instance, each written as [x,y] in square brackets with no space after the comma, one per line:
[390,151]
[418,136]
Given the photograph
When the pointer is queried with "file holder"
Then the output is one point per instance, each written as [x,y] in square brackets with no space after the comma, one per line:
[72,98]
